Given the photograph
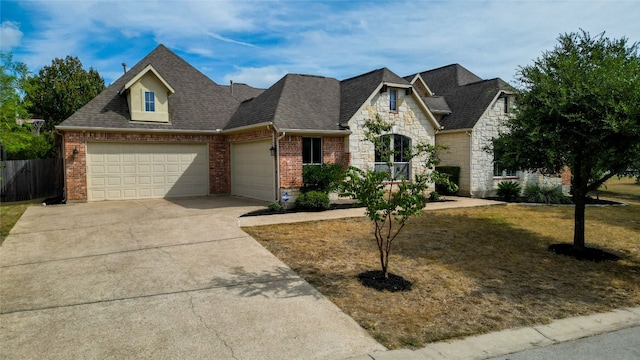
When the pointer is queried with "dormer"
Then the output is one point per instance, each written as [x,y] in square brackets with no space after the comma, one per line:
[148,96]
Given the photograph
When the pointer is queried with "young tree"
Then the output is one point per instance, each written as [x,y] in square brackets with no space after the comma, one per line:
[62,88]
[389,198]
[579,106]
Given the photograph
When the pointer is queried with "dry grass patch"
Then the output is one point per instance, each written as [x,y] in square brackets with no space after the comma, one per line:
[474,270]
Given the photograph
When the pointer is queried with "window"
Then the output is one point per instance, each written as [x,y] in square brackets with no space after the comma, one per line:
[149,101]
[499,171]
[393,97]
[401,168]
[506,104]
[311,151]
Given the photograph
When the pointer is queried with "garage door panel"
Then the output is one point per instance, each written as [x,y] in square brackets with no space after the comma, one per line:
[138,171]
[253,173]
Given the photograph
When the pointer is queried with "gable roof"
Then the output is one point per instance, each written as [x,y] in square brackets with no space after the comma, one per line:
[470,101]
[356,90]
[459,94]
[141,74]
[198,104]
[295,102]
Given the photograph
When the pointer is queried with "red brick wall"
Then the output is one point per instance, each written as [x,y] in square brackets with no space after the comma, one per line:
[333,151]
[76,167]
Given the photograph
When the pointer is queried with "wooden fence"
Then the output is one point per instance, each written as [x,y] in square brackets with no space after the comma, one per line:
[30,179]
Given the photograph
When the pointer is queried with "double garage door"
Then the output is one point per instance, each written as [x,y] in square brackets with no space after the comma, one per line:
[118,171]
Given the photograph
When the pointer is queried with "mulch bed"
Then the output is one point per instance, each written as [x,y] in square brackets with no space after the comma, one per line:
[375,279]
[266,211]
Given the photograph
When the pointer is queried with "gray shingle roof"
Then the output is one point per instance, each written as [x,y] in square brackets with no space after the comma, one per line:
[356,90]
[304,102]
[242,91]
[198,103]
[469,102]
[437,104]
[446,78]
[465,94]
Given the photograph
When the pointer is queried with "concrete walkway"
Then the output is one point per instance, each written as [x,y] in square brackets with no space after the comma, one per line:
[452,202]
[159,279]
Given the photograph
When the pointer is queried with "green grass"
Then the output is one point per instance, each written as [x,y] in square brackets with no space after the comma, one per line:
[9,216]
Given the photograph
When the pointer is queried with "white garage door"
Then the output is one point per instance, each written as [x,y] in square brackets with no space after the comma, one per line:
[118,171]
[252,170]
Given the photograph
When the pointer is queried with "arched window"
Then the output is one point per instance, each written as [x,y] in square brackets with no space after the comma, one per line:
[400,166]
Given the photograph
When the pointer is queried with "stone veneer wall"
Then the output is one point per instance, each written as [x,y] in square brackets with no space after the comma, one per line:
[408,120]
[483,183]
[76,167]
[457,155]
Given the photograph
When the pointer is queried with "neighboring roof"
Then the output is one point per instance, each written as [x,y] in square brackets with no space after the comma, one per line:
[356,90]
[198,103]
[469,102]
[295,102]
[242,91]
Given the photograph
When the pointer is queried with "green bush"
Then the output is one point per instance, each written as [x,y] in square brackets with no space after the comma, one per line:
[508,190]
[434,196]
[313,200]
[275,207]
[324,178]
[545,195]
[450,173]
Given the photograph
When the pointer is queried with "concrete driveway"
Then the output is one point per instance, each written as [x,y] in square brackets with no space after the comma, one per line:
[159,279]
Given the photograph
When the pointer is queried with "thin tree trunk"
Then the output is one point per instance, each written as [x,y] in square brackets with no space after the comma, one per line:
[578,231]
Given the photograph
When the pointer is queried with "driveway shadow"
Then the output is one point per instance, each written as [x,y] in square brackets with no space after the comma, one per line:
[281,282]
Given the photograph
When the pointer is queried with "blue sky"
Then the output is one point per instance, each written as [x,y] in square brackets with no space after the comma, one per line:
[257,42]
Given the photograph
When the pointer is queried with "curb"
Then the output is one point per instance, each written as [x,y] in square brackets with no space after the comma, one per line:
[514,340]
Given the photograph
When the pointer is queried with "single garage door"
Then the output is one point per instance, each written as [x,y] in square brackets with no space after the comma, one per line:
[252,170]
[118,171]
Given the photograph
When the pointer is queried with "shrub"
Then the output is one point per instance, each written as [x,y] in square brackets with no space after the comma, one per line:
[434,196]
[508,190]
[545,195]
[324,178]
[452,174]
[313,200]
[275,207]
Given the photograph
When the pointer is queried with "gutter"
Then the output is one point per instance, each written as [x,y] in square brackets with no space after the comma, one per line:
[139,130]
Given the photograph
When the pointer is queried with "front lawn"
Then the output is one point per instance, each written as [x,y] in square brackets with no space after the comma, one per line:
[473,270]
[9,215]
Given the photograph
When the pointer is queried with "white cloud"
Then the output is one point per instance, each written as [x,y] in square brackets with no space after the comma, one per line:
[256,41]
[10,35]
[262,77]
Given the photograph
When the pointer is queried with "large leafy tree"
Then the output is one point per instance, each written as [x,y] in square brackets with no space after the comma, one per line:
[17,140]
[12,84]
[62,88]
[579,107]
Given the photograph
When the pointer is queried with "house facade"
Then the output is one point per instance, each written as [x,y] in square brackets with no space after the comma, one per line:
[165,130]
[473,111]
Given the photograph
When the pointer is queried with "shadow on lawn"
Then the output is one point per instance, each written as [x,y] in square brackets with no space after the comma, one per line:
[516,266]
[281,282]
